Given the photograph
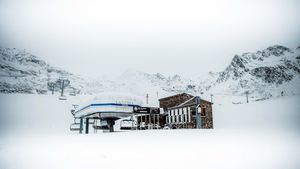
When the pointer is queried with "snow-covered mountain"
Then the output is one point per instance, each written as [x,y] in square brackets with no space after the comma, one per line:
[22,72]
[270,72]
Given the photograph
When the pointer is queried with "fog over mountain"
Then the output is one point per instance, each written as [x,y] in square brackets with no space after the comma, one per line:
[273,71]
[188,38]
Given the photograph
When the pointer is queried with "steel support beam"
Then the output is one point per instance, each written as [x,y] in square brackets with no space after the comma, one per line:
[81,125]
[111,124]
[86,125]
[198,117]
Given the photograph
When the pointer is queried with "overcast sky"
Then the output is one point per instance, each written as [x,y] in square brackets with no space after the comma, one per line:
[190,38]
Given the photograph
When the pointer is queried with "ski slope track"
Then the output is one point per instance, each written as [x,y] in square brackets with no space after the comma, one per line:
[261,134]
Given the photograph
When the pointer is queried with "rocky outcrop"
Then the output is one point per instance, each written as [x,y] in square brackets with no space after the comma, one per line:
[267,72]
[261,73]
[22,72]
[276,75]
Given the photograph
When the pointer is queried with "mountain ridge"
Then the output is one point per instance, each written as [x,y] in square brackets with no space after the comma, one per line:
[264,73]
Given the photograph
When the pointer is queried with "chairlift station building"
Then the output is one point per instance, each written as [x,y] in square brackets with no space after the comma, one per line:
[174,112]
[187,111]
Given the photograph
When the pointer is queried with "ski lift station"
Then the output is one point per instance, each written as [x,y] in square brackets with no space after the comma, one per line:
[178,111]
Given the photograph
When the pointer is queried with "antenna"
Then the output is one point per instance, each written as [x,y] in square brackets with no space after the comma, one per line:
[247,93]
[147,98]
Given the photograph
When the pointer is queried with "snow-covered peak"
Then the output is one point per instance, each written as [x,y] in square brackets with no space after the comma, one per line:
[262,73]
[25,73]
[269,56]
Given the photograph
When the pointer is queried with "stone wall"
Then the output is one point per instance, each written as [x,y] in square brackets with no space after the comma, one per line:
[207,120]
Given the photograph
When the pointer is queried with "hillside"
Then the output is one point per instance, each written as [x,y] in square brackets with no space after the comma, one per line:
[262,135]
[22,72]
[272,72]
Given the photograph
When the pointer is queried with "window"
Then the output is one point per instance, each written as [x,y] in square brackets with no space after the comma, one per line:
[203,111]
[173,119]
[189,114]
[193,112]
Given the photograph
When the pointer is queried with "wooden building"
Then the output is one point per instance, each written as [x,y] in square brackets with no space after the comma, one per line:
[187,111]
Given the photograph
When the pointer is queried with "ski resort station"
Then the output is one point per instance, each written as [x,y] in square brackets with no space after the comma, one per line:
[174,112]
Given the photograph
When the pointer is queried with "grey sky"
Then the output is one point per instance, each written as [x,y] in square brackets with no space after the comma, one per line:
[189,38]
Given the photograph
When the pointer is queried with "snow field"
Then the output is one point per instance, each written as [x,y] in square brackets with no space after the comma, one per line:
[260,135]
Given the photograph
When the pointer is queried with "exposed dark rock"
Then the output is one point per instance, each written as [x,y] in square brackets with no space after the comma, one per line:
[276,75]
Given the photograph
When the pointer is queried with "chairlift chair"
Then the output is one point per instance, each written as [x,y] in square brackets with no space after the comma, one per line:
[75,127]
[99,126]
[128,124]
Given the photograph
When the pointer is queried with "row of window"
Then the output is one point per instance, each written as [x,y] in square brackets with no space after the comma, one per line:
[179,115]
[183,118]
[183,115]
[180,111]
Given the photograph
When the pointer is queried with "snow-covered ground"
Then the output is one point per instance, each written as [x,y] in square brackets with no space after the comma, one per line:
[259,135]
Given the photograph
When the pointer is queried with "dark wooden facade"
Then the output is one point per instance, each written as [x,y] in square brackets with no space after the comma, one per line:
[206,114]
[181,111]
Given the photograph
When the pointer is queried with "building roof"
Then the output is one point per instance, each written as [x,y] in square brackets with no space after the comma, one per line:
[191,101]
[165,98]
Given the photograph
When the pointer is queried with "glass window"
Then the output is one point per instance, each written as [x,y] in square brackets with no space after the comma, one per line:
[189,114]
[203,111]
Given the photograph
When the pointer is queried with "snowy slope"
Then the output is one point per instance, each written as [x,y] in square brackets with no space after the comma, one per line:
[262,135]
[264,74]
[22,72]
[48,114]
